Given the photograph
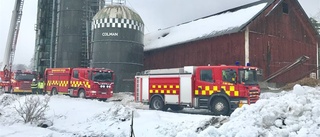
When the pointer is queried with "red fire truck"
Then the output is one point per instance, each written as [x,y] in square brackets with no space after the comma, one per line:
[16,82]
[220,89]
[80,82]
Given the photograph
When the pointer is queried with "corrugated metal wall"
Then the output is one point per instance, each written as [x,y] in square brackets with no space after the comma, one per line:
[281,39]
[225,49]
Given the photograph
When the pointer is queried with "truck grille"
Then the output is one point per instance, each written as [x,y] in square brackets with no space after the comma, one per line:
[25,86]
[103,90]
[254,96]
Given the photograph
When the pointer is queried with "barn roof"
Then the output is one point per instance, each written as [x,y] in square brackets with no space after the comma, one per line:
[226,22]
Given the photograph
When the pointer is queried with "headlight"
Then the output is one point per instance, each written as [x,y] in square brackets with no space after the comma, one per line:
[243,101]
[93,92]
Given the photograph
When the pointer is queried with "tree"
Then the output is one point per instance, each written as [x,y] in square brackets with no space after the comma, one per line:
[31,65]
[32,109]
[19,67]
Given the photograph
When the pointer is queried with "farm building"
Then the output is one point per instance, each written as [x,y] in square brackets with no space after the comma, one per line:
[274,35]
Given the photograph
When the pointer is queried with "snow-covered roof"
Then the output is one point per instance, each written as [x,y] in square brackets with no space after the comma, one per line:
[226,22]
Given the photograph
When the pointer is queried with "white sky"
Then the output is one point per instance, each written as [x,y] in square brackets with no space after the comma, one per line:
[293,113]
[156,14]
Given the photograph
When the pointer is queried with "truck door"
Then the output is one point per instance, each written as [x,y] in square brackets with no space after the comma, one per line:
[204,85]
[74,82]
[229,82]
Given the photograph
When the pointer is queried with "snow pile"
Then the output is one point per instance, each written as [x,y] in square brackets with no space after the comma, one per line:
[127,99]
[295,113]
[7,112]
[6,100]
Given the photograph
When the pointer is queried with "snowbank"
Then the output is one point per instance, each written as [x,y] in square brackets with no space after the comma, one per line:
[293,113]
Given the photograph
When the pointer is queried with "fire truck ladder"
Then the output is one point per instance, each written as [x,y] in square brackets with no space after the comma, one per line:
[13,34]
[299,61]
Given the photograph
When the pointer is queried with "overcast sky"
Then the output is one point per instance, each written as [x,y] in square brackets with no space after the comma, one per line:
[155,14]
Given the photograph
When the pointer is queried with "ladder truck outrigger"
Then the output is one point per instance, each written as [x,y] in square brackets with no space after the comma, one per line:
[14,81]
[220,89]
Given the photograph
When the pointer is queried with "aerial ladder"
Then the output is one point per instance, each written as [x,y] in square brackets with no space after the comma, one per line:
[6,74]
[12,40]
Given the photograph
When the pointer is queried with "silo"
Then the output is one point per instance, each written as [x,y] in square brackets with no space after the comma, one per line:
[118,35]
[69,37]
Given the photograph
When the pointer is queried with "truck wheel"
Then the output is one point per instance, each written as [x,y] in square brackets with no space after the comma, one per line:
[103,100]
[82,93]
[158,104]
[176,108]
[54,91]
[220,106]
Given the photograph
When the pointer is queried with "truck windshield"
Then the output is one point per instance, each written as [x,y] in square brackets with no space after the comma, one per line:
[26,77]
[248,76]
[102,76]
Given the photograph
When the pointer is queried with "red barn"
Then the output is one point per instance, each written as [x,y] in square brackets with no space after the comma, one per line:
[270,34]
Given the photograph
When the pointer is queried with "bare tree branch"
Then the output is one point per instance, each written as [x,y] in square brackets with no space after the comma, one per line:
[33,108]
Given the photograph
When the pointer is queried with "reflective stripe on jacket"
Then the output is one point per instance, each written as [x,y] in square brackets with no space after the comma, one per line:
[34,85]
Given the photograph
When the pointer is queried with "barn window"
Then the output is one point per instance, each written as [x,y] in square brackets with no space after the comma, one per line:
[285,8]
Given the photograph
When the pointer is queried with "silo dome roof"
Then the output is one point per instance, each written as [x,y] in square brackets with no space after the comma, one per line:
[117,11]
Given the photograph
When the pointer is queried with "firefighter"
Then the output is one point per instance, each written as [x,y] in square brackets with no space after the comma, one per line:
[40,86]
[34,86]
[229,75]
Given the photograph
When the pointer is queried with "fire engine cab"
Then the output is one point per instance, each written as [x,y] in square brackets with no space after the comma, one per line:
[17,81]
[220,89]
[80,82]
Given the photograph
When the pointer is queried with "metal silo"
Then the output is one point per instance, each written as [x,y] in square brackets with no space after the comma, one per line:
[118,35]
[69,37]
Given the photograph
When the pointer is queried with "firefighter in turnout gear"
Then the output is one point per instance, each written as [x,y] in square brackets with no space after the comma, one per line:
[34,86]
[40,86]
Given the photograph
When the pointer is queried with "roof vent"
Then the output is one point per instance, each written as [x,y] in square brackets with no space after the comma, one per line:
[165,34]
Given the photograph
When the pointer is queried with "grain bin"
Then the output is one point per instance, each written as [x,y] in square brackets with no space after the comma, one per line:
[70,31]
[118,34]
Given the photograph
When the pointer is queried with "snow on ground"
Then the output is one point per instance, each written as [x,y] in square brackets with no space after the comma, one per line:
[287,113]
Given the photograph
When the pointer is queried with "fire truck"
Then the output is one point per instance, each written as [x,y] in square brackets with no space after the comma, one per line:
[14,81]
[221,89]
[80,82]
[17,81]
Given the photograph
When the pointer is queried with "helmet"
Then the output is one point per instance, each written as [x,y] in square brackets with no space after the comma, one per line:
[33,80]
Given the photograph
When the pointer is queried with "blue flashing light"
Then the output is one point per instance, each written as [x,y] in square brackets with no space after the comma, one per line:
[248,64]
[237,63]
